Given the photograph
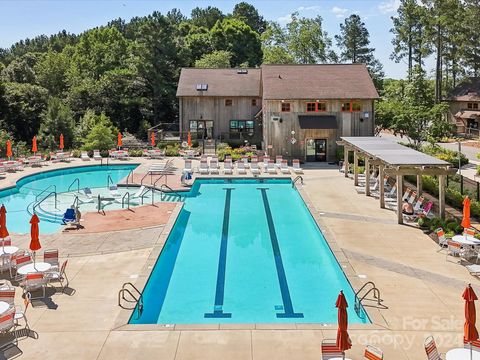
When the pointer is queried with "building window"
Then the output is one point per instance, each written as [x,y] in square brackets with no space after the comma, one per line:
[242,126]
[356,106]
[321,106]
[346,106]
[311,107]
[228,102]
[254,102]
[472,106]
[285,107]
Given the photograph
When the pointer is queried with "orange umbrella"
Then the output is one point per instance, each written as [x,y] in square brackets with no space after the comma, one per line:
[152,138]
[189,139]
[3,223]
[469,331]
[34,232]
[9,149]
[34,145]
[119,140]
[466,213]
[61,146]
[343,340]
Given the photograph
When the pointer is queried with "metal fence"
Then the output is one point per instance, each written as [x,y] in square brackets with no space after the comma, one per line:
[465,185]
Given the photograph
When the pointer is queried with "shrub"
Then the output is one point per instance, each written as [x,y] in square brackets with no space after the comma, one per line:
[445,154]
[76,153]
[135,152]
[172,150]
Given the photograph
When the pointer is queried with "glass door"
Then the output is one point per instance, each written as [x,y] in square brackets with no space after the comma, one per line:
[320,149]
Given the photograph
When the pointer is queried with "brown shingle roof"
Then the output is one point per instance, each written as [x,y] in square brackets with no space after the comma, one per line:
[468,90]
[325,81]
[221,82]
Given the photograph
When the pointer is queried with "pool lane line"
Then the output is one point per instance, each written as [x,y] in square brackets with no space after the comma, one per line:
[222,263]
[282,279]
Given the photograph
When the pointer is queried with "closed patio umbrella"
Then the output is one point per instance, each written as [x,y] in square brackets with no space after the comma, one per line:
[470,333]
[9,149]
[34,145]
[61,145]
[3,224]
[189,139]
[466,213]
[343,340]
[152,139]
[34,234]
[119,140]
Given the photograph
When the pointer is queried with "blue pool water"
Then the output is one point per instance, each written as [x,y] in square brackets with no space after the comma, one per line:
[19,200]
[245,251]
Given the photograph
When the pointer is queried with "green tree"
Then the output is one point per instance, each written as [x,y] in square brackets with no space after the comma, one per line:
[249,15]
[56,120]
[216,59]
[238,38]
[101,136]
[51,72]
[84,126]
[470,49]
[206,17]
[20,70]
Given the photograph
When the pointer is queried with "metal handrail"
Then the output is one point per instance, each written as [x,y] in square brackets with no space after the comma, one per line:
[296,179]
[109,180]
[75,202]
[131,172]
[155,183]
[145,193]
[137,297]
[127,194]
[77,180]
[376,295]
[46,197]
[44,190]
[171,191]
[101,161]
[144,176]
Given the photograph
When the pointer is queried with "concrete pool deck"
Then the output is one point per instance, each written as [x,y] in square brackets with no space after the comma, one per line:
[420,288]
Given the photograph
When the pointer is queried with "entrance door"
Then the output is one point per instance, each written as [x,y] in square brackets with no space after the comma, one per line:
[320,149]
[203,129]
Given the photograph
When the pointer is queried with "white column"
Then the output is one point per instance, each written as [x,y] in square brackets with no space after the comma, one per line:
[399,198]
[381,185]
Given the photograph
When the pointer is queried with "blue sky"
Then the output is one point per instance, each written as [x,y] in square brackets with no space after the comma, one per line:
[20,19]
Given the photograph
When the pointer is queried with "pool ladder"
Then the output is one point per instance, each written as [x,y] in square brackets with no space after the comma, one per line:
[362,293]
[298,178]
[134,297]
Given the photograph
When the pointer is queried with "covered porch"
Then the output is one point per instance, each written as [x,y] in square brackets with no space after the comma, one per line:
[393,159]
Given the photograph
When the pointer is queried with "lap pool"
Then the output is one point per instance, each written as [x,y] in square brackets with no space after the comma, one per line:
[245,251]
[30,190]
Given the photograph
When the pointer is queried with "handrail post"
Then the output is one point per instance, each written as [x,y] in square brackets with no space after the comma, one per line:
[98,210]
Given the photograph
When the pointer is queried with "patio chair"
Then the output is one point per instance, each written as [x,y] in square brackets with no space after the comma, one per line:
[406,195]
[413,196]
[271,167]
[96,155]
[214,166]
[59,276]
[17,261]
[475,345]
[188,166]
[227,167]
[254,167]
[5,263]
[373,353]
[442,240]
[469,232]
[7,326]
[203,168]
[69,216]
[392,193]
[330,349]
[284,167]
[296,167]
[84,156]
[50,256]
[241,168]
[20,313]
[431,349]
[7,242]
[7,294]
[33,282]
[418,204]
[454,249]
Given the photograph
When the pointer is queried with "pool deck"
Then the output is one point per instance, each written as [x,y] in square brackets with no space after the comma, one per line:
[420,288]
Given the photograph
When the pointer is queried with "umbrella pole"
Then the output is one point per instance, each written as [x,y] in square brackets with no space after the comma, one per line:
[471,352]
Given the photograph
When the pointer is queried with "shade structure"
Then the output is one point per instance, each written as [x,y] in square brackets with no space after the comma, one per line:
[34,233]
[3,223]
[343,340]
[119,140]
[34,145]
[470,332]
[152,138]
[466,213]
[61,145]
[189,139]
[9,149]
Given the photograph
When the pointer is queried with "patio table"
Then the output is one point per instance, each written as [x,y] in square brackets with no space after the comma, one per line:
[29,268]
[4,306]
[462,354]
[466,240]
[8,250]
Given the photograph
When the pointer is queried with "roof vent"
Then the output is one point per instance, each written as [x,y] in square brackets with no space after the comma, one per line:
[242,71]
[202,87]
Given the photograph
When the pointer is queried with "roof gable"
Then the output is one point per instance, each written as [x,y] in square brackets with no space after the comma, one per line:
[468,90]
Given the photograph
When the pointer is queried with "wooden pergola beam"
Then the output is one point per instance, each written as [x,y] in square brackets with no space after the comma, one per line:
[420,171]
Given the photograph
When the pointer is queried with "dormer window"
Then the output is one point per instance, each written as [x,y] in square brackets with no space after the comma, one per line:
[472,106]
[202,87]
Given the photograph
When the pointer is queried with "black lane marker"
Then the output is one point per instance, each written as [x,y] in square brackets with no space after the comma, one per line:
[222,264]
[282,279]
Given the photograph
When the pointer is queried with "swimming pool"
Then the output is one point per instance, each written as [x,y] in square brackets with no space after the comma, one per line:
[29,190]
[245,251]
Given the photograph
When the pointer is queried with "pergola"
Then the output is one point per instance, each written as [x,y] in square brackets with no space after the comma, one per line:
[394,160]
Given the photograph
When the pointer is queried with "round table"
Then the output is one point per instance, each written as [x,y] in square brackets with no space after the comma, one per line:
[462,354]
[466,240]
[8,250]
[4,306]
[29,268]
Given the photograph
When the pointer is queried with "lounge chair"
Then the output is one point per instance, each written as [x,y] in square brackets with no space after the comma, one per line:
[227,167]
[284,167]
[412,197]
[425,212]
[254,167]
[245,162]
[203,168]
[96,155]
[69,216]
[431,349]
[33,282]
[266,159]
[88,192]
[296,167]
[373,353]
[473,269]
[114,191]
[84,156]
[188,166]
[330,349]
[393,192]
[214,166]
[139,192]
[407,193]
[417,208]
[271,167]
[241,168]
[278,160]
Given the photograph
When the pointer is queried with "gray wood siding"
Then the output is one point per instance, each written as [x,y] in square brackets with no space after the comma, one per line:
[278,134]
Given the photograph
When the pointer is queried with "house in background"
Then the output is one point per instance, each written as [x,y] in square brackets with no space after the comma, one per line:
[297,111]
[464,107]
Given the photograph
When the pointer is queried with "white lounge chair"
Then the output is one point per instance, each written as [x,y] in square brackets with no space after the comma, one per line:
[114,191]
[84,156]
[96,155]
[214,166]
[203,168]
[227,167]
[271,167]
[296,167]
[265,162]
[188,166]
[139,192]
[245,162]
[241,168]
[254,167]
[278,160]
[284,167]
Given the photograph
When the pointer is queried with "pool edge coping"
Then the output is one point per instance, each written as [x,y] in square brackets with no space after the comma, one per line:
[378,322]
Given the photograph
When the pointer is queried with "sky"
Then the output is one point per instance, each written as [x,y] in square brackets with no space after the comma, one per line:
[20,19]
